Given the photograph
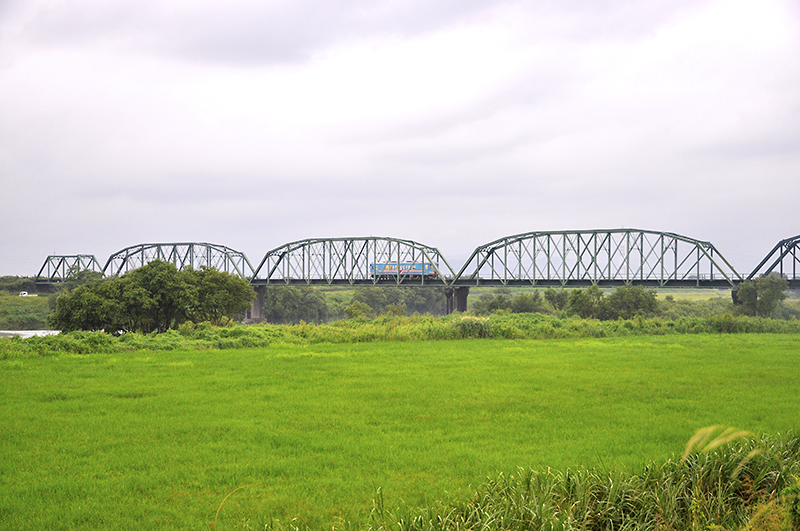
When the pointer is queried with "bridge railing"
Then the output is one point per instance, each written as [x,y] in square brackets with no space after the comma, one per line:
[606,257]
[351,261]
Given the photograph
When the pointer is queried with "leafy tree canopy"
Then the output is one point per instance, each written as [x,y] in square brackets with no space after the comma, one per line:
[152,298]
[625,302]
[761,296]
[287,304]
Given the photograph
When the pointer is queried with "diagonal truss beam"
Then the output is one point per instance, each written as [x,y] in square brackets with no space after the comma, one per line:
[182,255]
[59,268]
[783,259]
[350,261]
[608,257]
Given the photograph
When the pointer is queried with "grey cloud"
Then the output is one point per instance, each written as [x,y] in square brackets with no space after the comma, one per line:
[287,32]
[235,32]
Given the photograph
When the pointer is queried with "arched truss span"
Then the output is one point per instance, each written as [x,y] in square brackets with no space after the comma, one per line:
[605,257]
[59,268]
[350,261]
[783,259]
[183,255]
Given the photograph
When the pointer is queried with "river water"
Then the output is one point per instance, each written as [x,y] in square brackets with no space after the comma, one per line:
[28,333]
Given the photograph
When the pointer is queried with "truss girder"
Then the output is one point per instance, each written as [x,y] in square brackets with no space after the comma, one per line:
[58,268]
[597,257]
[350,261]
[783,259]
[182,255]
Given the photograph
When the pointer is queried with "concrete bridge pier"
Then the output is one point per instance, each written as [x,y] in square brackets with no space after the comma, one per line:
[256,312]
[456,299]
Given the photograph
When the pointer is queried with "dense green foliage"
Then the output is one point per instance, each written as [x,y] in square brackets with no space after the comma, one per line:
[13,285]
[158,439]
[23,313]
[286,304]
[152,298]
[403,300]
[760,296]
[289,305]
[499,325]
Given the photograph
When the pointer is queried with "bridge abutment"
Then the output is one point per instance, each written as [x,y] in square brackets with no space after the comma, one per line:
[456,299]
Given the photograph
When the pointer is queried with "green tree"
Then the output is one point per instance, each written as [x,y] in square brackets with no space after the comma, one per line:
[587,303]
[529,303]
[158,296]
[288,304]
[395,310]
[416,299]
[557,298]
[78,277]
[627,302]
[221,297]
[761,296]
[152,298]
[93,306]
[357,310]
[489,303]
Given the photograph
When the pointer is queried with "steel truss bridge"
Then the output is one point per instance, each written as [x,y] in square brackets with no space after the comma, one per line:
[558,258]
[350,261]
[606,258]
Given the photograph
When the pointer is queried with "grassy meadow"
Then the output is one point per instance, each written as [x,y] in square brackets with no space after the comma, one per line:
[308,434]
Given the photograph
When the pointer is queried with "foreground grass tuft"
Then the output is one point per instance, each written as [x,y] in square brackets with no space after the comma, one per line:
[741,485]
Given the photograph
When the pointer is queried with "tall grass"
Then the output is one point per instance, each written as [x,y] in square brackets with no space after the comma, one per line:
[390,328]
[721,489]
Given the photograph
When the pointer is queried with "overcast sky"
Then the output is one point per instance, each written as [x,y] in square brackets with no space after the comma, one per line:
[252,123]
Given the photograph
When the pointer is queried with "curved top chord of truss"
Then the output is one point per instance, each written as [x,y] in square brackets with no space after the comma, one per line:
[786,263]
[349,261]
[182,255]
[608,257]
[59,268]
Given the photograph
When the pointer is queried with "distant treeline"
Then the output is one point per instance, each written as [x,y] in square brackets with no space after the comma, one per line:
[764,297]
[285,304]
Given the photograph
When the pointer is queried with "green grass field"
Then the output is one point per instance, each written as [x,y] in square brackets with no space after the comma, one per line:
[156,440]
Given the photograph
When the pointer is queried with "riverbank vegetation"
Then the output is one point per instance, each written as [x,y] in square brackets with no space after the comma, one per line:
[89,302]
[389,328]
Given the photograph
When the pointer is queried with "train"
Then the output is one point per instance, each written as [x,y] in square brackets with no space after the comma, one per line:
[390,271]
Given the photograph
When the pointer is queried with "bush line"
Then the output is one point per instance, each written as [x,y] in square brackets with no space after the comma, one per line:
[500,325]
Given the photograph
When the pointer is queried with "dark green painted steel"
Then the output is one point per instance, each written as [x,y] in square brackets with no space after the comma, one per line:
[182,255]
[58,268]
[552,258]
[346,262]
[603,257]
[783,259]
